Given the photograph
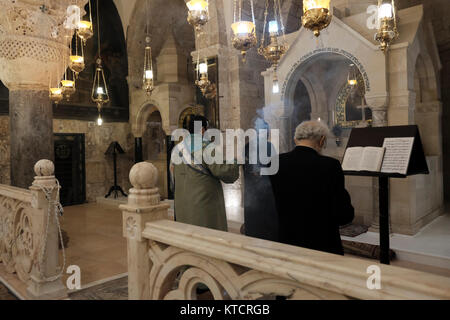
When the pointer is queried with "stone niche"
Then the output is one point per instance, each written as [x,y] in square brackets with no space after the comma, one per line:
[401,89]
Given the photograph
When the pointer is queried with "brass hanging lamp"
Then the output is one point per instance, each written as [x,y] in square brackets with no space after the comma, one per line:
[148,76]
[76,59]
[387,18]
[275,50]
[244,33]
[316,15]
[85,27]
[99,94]
[198,14]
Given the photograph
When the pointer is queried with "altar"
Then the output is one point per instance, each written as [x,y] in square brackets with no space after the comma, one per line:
[400,88]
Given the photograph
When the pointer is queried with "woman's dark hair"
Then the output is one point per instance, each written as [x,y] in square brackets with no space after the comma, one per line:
[193,119]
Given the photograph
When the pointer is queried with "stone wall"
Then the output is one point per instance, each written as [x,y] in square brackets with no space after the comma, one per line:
[99,167]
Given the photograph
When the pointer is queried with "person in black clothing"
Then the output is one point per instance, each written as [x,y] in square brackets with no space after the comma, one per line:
[310,193]
[260,213]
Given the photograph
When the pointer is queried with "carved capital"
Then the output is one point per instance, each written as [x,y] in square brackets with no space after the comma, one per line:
[33,42]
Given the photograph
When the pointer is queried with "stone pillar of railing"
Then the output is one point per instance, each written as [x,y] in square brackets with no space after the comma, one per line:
[143,206]
[46,282]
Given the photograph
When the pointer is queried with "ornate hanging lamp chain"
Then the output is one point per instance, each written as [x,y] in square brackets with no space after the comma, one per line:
[98,31]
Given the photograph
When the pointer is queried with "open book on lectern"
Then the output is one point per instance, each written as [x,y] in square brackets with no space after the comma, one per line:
[393,157]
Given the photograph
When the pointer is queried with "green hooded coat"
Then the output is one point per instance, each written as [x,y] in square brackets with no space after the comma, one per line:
[199,198]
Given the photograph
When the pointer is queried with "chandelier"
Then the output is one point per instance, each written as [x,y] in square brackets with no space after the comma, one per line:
[85,28]
[99,94]
[244,33]
[274,51]
[316,15]
[76,61]
[387,18]
[148,76]
[198,14]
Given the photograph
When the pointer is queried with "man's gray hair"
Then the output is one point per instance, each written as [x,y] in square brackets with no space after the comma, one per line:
[311,130]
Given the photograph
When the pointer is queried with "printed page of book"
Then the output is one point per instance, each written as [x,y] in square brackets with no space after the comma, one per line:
[397,155]
[372,158]
[352,159]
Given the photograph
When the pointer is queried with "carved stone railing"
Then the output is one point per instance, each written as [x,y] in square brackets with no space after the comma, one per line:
[168,260]
[29,236]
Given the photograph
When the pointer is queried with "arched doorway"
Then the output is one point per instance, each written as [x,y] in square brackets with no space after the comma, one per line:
[319,89]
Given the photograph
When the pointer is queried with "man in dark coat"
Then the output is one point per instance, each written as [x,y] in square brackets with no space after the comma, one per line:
[310,193]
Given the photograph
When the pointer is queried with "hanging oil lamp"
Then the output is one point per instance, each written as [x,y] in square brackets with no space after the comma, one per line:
[148,76]
[387,18]
[99,94]
[76,59]
[202,77]
[198,14]
[244,33]
[274,51]
[352,78]
[85,27]
[316,15]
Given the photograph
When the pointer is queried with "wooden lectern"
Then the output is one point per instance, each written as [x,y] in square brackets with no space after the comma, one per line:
[374,137]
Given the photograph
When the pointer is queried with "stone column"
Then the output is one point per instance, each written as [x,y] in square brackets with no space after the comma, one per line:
[143,206]
[379,107]
[33,55]
[31,133]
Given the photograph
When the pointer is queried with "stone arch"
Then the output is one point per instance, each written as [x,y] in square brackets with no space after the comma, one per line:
[142,116]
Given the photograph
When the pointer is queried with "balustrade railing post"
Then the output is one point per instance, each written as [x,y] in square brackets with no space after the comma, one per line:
[143,206]
[45,281]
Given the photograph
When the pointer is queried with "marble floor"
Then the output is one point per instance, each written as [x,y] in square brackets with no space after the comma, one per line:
[96,244]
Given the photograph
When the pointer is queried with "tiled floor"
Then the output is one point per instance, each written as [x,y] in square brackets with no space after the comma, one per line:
[96,244]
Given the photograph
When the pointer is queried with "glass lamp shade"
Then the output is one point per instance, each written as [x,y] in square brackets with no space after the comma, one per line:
[99,121]
[148,75]
[56,95]
[273,27]
[85,30]
[203,68]
[100,94]
[76,64]
[197,5]
[275,87]
[316,4]
[243,28]
[198,13]
[385,11]
[352,75]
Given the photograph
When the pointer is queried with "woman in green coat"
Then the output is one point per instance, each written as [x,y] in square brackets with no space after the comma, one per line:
[199,198]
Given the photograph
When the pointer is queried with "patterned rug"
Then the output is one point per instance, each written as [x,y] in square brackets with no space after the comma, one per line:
[353,230]
[5,294]
[112,290]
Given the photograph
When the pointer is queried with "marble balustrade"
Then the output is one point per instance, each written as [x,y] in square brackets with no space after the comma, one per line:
[28,239]
[168,260]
